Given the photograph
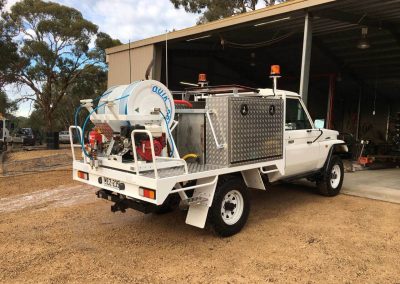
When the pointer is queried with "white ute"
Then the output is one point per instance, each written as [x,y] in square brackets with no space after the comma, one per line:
[151,152]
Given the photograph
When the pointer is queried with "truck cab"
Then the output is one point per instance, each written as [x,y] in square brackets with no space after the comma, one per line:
[306,146]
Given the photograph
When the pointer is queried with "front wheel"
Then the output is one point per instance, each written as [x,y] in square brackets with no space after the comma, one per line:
[231,207]
[332,180]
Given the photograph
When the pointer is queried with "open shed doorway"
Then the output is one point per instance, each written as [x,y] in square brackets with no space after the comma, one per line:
[356,91]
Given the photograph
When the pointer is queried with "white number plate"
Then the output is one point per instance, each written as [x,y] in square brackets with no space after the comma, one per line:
[111,182]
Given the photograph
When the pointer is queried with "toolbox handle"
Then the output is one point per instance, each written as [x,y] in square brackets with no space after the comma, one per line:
[219,146]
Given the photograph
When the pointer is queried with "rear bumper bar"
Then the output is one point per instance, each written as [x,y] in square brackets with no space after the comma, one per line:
[121,204]
[132,183]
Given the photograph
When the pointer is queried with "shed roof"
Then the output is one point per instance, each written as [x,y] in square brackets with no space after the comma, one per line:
[240,19]
[336,29]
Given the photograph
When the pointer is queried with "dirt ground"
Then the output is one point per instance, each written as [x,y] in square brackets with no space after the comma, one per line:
[37,159]
[55,230]
[37,153]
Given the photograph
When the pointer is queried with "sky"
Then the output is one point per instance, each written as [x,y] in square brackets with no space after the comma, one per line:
[130,19]
[122,19]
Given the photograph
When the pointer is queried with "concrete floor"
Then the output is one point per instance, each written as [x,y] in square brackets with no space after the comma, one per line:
[375,184]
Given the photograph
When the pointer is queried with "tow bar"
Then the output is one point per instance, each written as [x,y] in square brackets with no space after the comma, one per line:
[122,203]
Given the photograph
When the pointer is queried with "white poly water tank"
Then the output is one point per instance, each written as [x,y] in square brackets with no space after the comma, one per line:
[140,98]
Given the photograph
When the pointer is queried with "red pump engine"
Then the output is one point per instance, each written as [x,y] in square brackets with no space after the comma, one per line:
[144,148]
[95,137]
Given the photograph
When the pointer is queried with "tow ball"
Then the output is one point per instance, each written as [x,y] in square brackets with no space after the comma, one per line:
[121,203]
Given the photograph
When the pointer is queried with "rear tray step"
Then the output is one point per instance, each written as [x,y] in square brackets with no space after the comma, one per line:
[196,200]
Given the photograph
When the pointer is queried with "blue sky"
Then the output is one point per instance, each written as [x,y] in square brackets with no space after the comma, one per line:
[123,19]
[133,19]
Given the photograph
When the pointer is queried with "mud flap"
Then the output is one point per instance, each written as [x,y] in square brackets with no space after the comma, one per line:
[197,214]
[253,179]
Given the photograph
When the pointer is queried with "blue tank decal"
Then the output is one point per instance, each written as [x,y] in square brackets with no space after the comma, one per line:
[101,109]
[167,102]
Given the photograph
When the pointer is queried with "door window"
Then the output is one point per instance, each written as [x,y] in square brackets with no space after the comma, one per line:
[296,117]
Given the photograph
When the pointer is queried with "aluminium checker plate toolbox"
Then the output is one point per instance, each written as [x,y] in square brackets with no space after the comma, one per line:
[250,127]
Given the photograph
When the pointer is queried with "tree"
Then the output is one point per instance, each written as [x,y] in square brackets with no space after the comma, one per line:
[91,84]
[6,106]
[8,53]
[8,50]
[53,52]
[212,10]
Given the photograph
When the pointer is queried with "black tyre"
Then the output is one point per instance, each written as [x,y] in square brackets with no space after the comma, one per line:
[169,205]
[331,182]
[231,206]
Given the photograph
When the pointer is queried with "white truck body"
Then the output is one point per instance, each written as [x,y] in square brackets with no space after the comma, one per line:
[305,153]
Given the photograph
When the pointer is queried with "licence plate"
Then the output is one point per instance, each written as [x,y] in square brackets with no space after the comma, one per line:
[111,182]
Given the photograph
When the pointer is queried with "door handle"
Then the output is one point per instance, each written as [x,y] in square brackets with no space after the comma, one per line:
[290,141]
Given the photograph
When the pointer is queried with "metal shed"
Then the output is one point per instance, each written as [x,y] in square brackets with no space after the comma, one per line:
[317,44]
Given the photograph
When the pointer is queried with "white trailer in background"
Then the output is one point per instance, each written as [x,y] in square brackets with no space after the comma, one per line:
[6,138]
[148,154]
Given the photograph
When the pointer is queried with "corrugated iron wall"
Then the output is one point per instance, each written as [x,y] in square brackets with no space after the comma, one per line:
[119,69]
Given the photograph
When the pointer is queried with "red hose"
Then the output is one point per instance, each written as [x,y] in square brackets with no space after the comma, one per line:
[183,102]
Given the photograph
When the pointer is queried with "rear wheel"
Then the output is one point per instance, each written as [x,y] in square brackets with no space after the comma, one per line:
[3,146]
[230,208]
[332,180]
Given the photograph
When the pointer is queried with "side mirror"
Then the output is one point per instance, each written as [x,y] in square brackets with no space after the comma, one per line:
[319,123]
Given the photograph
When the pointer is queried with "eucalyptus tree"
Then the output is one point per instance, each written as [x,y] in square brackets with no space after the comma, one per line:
[211,10]
[53,52]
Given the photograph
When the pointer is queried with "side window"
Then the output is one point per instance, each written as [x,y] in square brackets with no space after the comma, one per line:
[296,117]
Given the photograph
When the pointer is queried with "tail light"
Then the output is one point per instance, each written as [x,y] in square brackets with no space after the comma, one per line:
[83,175]
[148,193]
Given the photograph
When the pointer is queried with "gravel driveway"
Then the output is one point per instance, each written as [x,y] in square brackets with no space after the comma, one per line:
[55,230]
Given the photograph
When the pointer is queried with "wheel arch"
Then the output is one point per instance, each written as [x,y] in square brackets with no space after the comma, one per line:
[337,148]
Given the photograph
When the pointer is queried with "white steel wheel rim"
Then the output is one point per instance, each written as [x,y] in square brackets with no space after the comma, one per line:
[232,207]
[335,176]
